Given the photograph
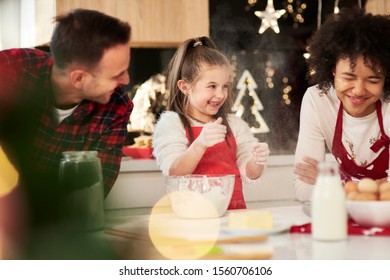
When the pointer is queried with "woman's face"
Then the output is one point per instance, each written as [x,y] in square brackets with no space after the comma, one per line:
[358,89]
[209,92]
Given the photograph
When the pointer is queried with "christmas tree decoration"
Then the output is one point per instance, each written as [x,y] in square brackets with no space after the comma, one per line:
[269,17]
[246,84]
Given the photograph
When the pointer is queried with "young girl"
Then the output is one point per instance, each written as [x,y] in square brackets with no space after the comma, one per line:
[198,135]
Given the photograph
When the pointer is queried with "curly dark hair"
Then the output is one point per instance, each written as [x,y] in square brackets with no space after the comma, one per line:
[349,34]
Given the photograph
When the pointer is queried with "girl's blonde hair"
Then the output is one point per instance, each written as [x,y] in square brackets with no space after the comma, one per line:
[186,64]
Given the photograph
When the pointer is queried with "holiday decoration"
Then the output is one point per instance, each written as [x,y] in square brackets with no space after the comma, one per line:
[246,84]
[269,17]
[295,10]
[148,103]
[287,88]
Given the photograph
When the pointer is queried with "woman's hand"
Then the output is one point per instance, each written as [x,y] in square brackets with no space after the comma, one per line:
[307,170]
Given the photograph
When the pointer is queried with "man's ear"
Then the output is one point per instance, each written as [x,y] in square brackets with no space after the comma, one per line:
[77,78]
[182,85]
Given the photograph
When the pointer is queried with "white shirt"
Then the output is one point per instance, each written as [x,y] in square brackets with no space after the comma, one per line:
[62,114]
[317,126]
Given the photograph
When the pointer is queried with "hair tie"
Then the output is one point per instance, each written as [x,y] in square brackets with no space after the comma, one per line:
[199,43]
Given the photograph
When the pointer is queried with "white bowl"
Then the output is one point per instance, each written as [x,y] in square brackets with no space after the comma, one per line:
[200,196]
[370,213]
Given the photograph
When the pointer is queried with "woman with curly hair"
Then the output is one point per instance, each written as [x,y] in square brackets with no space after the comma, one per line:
[346,111]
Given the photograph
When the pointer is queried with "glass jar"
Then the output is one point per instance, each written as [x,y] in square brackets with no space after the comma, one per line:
[329,214]
[81,180]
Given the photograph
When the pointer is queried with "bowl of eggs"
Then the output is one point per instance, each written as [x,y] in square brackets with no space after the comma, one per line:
[368,202]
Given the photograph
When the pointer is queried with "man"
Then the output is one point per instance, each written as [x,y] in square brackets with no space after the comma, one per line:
[71,99]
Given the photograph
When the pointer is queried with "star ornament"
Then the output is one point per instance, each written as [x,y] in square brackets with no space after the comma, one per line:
[269,17]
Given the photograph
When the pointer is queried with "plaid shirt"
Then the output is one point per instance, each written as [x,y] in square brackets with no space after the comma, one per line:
[31,134]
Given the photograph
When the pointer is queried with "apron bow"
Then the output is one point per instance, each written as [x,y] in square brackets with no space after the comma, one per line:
[383,141]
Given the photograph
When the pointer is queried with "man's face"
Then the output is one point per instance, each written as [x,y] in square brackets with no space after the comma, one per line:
[110,73]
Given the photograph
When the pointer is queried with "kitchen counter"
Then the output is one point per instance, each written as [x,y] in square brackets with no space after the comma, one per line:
[141,165]
[278,246]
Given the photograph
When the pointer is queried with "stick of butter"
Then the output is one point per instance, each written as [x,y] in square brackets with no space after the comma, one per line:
[250,219]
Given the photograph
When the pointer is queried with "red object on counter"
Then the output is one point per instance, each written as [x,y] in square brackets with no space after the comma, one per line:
[353,229]
[138,152]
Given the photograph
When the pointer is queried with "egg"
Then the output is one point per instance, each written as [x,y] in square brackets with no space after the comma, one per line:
[366,196]
[384,187]
[352,195]
[367,185]
[384,195]
[351,186]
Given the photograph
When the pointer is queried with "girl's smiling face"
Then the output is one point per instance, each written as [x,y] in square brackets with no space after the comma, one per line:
[209,92]
[358,89]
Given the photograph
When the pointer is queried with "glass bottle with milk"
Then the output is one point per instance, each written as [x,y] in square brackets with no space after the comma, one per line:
[329,214]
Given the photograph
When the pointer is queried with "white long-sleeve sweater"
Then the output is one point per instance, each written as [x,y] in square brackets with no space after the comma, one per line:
[170,141]
[317,124]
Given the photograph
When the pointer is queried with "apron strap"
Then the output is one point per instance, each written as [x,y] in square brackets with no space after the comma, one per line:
[384,140]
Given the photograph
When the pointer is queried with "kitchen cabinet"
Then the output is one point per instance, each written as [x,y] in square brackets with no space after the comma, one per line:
[378,7]
[155,23]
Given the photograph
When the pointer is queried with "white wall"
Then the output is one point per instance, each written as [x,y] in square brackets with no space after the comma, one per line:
[25,23]
[9,24]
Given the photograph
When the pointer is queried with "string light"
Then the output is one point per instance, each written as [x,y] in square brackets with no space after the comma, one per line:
[269,72]
[336,9]
[297,12]
[319,13]
[287,88]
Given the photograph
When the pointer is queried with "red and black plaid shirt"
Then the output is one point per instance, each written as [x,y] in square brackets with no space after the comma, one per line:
[30,133]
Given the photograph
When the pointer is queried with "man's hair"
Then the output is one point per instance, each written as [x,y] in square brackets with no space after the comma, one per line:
[82,36]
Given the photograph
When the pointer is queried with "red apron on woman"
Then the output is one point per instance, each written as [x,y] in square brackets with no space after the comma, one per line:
[377,169]
[221,159]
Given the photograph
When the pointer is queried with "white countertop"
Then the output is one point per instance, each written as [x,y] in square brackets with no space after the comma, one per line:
[284,245]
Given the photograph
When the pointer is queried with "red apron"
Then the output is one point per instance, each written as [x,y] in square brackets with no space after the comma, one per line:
[377,169]
[221,159]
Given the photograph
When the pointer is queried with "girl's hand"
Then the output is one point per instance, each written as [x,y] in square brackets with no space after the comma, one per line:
[260,153]
[307,171]
[212,133]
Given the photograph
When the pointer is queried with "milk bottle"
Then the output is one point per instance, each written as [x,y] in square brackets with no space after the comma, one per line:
[329,214]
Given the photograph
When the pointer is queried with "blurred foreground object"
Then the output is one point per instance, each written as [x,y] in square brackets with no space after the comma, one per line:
[82,180]
[8,175]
